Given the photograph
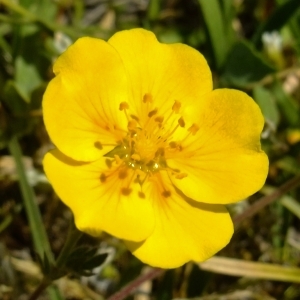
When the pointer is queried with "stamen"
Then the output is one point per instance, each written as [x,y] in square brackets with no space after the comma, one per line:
[103,177]
[147,98]
[181,122]
[142,195]
[123,174]
[176,107]
[108,162]
[181,175]
[117,159]
[173,144]
[123,106]
[132,125]
[98,145]
[126,191]
[135,118]
[152,113]
[136,157]
[166,194]
[193,129]
[159,119]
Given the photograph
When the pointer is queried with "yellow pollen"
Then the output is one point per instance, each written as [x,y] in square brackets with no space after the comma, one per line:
[193,129]
[123,106]
[142,195]
[117,159]
[159,119]
[181,175]
[136,157]
[181,122]
[147,98]
[126,191]
[98,145]
[134,118]
[123,174]
[108,162]
[176,107]
[132,125]
[102,177]
[152,113]
[166,194]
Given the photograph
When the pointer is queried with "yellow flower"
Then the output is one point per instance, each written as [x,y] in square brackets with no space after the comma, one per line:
[146,151]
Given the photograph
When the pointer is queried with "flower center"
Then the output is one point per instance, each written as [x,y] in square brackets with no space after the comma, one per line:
[149,141]
[146,142]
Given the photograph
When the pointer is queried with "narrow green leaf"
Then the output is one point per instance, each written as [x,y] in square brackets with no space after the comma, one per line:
[258,270]
[267,104]
[287,201]
[39,235]
[154,8]
[289,107]
[278,19]
[217,29]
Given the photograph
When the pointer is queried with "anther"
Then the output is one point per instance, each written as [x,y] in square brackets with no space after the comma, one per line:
[103,177]
[181,176]
[123,174]
[117,159]
[108,163]
[160,152]
[123,106]
[173,144]
[141,195]
[147,98]
[181,122]
[126,191]
[134,118]
[132,125]
[136,157]
[176,106]
[166,194]
[193,129]
[98,145]
[159,119]
[152,113]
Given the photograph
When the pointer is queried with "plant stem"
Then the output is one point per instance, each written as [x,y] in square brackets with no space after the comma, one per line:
[43,285]
[72,238]
[266,200]
[133,285]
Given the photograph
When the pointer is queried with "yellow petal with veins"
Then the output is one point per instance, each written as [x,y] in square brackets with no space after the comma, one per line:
[185,230]
[164,72]
[100,200]
[81,104]
[223,160]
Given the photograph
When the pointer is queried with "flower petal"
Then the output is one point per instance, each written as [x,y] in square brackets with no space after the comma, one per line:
[185,230]
[223,161]
[97,202]
[166,72]
[81,104]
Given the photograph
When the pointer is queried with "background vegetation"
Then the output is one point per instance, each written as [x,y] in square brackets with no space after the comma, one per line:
[252,45]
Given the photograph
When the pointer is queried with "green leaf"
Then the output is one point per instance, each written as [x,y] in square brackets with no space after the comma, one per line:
[94,262]
[289,108]
[27,77]
[217,28]
[245,65]
[267,104]
[277,20]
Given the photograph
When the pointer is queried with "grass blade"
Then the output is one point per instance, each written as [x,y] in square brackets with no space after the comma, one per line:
[258,270]
[216,27]
[40,239]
